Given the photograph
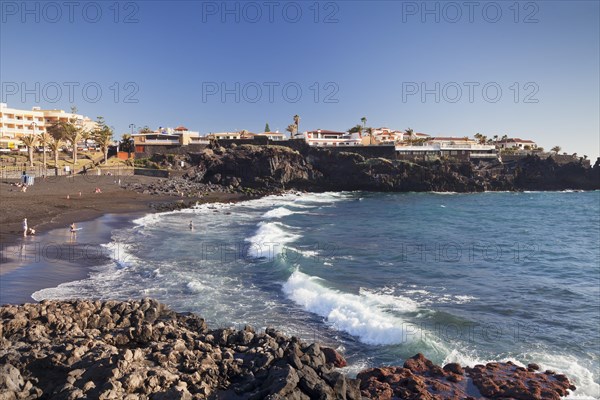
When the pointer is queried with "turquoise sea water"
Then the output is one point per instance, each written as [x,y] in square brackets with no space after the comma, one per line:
[459,277]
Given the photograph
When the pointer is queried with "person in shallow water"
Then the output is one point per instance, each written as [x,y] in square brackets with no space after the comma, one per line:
[73,229]
[191,226]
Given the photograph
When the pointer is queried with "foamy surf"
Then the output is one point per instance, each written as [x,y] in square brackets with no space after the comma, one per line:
[269,240]
[359,315]
[278,212]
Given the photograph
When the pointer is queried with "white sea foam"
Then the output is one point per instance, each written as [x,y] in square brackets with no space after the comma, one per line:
[462,299]
[196,287]
[278,212]
[425,297]
[269,239]
[580,375]
[361,315]
[417,291]
[326,197]
[396,303]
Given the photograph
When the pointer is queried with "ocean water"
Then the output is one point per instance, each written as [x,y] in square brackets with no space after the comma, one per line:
[466,278]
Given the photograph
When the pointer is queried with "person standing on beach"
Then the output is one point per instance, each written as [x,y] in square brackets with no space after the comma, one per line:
[73,230]
[25,229]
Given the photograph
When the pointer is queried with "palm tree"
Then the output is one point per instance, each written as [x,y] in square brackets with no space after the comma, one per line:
[556,149]
[29,141]
[364,121]
[55,146]
[127,143]
[410,134]
[297,123]
[44,139]
[56,131]
[356,129]
[73,134]
[291,129]
[103,137]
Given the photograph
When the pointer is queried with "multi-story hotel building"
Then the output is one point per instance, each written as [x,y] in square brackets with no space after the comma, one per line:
[16,123]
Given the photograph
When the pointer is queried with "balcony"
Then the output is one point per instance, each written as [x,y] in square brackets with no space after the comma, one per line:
[484,155]
[158,142]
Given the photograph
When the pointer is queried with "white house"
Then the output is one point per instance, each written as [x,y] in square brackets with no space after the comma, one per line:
[325,138]
[225,135]
[273,135]
[516,143]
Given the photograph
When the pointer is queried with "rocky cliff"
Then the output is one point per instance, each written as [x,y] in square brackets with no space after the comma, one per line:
[277,167]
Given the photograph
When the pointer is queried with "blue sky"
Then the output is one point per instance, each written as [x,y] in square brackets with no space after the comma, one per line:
[171,60]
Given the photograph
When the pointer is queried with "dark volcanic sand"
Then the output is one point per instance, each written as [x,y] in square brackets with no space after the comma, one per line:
[45,204]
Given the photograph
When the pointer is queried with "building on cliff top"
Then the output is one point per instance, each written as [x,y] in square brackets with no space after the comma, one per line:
[326,138]
[458,149]
[516,143]
[179,136]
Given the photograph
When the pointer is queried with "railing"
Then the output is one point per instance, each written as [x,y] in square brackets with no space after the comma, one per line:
[484,155]
[24,130]
[16,172]
[158,142]
[468,146]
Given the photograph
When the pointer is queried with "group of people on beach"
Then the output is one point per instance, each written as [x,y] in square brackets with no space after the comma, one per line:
[22,186]
[27,231]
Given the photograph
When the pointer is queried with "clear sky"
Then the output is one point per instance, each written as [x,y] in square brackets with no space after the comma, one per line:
[525,69]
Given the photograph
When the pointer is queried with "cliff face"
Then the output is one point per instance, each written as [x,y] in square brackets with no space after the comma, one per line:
[253,167]
[276,167]
[533,173]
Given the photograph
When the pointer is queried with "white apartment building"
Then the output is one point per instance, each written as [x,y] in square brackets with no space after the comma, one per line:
[16,123]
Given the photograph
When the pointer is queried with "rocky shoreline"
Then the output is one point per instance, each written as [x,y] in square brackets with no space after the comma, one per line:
[144,350]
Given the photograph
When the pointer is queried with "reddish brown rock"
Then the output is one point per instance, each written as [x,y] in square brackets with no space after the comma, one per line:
[422,379]
[333,357]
